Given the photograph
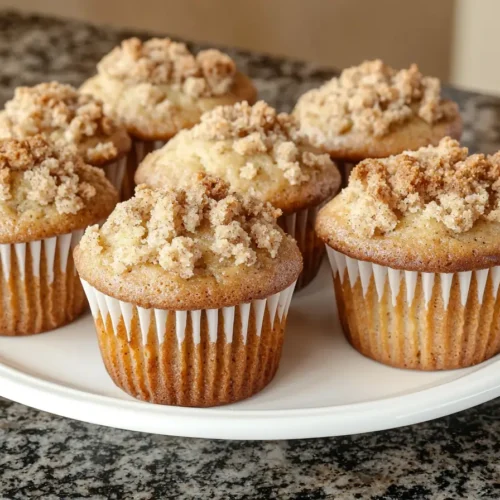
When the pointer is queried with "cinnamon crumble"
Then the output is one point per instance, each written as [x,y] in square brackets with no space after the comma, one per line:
[249,171]
[186,230]
[372,98]
[160,61]
[259,129]
[442,183]
[33,170]
[63,115]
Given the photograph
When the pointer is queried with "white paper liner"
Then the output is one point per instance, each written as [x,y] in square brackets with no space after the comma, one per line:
[348,268]
[115,172]
[104,306]
[123,176]
[143,148]
[345,169]
[300,226]
[296,224]
[64,244]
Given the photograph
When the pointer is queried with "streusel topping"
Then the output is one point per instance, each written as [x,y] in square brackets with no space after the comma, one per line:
[257,129]
[160,61]
[372,98]
[186,230]
[64,115]
[442,183]
[33,171]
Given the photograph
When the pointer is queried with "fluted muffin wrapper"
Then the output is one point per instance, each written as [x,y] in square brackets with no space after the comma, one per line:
[40,289]
[115,173]
[345,169]
[140,149]
[204,357]
[409,319]
[300,226]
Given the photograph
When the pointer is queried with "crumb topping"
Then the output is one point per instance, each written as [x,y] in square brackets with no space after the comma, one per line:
[373,97]
[442,183]
[259,129]
[186,230]
[249,171]
[33,170]
[160,61]
[64,115]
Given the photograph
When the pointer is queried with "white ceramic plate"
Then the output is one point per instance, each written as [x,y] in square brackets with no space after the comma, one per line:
[323,386]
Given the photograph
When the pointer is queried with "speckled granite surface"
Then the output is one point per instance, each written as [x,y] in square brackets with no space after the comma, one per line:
[43,456]
[49,457]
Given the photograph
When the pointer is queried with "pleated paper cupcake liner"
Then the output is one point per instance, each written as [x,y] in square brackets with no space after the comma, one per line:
[345,168]
[115,173]
[190,358]
[140,149]
[39,289]
[300,225]
[143,148]
[409,319]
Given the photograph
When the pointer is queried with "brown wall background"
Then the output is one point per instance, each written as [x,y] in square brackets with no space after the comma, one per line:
[329,32]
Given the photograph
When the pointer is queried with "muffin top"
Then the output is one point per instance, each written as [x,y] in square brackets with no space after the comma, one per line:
[253,148]
[433,210]
[67,118]
[159,87]
[46,191]
[183,249]
[373,111]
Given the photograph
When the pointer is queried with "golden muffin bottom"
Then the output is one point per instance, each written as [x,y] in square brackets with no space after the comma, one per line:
[191,358]
[39,287]
[418,320]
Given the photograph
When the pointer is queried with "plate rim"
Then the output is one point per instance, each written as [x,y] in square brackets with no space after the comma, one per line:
[467,390]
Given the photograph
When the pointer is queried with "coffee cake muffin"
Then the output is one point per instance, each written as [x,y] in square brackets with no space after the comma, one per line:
[413,242]
[259,151]
[374,111]
[48,196]
[67,118]
[158,87]
[190,292]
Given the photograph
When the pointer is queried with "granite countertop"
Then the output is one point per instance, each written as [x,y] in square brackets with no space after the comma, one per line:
[49,457]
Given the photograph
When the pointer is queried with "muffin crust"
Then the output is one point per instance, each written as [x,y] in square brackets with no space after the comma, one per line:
[67,118]
[161,61]
[372,110]
[432,210]
[158,87]
[205,247]
[46,191]
[253,148]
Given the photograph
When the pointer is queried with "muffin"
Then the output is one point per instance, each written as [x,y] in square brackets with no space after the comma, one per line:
[67,118]
[48,196]
[190,291]
[259,151]
[374,111]
[413,242]
[158,87]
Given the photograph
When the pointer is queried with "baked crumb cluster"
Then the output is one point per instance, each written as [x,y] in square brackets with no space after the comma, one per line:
[442,183]
[260,129]
[63,114]
[32,170]
[160,61]
[373,97]
[186,230]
